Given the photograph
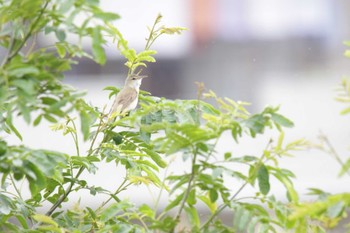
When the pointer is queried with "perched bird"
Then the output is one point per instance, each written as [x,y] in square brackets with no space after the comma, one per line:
[126,100]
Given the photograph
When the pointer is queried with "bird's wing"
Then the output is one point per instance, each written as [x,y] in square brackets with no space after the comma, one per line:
[123,99]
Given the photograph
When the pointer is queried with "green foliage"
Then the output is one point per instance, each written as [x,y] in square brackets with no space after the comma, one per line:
[143,144]
[328,209]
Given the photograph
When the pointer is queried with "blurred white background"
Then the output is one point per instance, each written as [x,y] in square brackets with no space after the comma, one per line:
[267,52]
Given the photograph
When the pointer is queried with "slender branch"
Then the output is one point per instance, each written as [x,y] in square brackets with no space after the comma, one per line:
[224,205]
[333,152]
[27,36]
[12,43]
[95,136]
[162,188]
[75,138]
[149,39]
[31,48]
[15,186]
[152,41]
[188,189]
[121,187]
[80,171]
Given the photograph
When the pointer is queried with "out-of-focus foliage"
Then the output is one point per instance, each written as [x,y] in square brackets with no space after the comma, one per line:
[329,209]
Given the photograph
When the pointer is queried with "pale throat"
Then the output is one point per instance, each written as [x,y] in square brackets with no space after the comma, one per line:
[135,84]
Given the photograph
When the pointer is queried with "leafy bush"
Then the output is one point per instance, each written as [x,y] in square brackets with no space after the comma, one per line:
[144,143]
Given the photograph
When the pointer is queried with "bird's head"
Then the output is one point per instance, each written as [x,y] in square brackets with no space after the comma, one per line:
[134,80]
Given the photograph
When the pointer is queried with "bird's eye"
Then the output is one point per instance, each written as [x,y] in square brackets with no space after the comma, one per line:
[133,78]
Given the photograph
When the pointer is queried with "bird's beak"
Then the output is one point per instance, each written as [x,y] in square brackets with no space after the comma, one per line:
[137,77]
[142,76]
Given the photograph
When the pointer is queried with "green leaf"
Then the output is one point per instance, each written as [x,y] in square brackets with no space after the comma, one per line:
[191,199]
[23,221]
[85,124]
[336,210]
[213,195]
[27,86]
[347,53]
[227,155]
[117,138]
[37,180]
[244,159]
[97,49]
[106,16]
[44,219]
[146,210]
[244,219]
[193,216]
[263,179]
[155,157]
[50,118]
[3,148]
[345,168]
[61,50]
[13,128]
[281,120]
[175,202]
[152,176]
[345,111]
[113,210]
[314,209]
[288,184]
[60,34]
[211,205]
[172,30]
[37,120]
[256,124]
[23,70]
[6,205]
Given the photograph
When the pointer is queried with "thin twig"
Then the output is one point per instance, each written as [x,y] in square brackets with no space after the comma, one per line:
[121,187]
[224,205]
[27,36]
[333,152]
[15,186]
[73,181]
[162,188]
[75,138]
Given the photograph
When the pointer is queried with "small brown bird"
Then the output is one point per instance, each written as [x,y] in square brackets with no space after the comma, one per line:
[127,99]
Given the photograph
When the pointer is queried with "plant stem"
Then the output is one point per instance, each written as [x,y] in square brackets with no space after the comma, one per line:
[224,205]
[333,152]
[15,186]
[149,39]
[10,54]
[189,188]
[161,190]
[121,187]
[75,138]
[72,183]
